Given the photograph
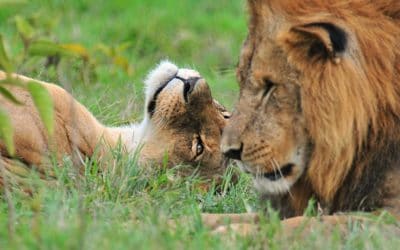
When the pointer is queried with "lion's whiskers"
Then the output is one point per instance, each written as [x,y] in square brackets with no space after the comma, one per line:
[277,165]
[258,171]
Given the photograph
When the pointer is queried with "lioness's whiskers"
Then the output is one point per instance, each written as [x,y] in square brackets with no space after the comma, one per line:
[160,123]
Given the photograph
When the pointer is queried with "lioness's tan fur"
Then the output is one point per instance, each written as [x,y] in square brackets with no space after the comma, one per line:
[76,128]
[175,127]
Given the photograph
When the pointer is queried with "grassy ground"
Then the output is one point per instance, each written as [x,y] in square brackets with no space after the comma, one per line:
[125,207]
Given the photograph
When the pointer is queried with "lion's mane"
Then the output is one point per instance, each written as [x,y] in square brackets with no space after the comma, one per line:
[351,107]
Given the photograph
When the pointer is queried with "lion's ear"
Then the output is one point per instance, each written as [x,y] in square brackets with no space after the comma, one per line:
[319,40]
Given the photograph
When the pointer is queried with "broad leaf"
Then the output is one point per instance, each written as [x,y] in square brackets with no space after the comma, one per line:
[5,63]
[76,49]
[8,95]
[124,46]
[47,48]
[43,103]
[24,28]
[44,48]
[106,50]
[6,132]
[12,81]
[123,63]
[11,3]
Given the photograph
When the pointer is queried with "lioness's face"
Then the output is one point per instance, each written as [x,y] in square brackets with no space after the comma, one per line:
[183,122]
[267,129]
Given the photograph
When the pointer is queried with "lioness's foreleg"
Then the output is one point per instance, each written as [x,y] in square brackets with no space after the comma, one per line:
[214,221]
[247,224]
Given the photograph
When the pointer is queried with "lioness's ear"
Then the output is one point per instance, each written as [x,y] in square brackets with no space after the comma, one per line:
[226,114]
[319,40]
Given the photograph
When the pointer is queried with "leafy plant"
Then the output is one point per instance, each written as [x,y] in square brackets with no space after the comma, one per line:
[6,131]
[37,43]
[40,96]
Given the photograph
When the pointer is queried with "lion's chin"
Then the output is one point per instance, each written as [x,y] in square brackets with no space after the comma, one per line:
[276,182]
[273,187]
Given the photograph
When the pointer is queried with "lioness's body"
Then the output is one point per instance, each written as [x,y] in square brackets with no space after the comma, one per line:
[185,125]
[76,129]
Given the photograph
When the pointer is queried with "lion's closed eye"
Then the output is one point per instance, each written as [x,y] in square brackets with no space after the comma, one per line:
[268,85]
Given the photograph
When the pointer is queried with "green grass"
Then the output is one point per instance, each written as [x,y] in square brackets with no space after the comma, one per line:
[127,207]
[206,35]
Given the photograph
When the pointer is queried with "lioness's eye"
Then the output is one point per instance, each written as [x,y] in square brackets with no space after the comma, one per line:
[199,147]
[268,85]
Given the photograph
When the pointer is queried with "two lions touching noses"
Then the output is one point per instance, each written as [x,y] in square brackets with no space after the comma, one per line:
[318,116]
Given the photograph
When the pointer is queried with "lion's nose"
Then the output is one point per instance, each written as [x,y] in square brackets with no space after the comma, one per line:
[231,141]
[235,154]
[232,151]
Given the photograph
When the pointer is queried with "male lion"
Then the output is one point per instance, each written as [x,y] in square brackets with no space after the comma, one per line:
[181,121]
[319,109]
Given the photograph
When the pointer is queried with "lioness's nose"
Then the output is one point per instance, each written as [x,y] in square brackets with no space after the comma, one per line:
[189,85]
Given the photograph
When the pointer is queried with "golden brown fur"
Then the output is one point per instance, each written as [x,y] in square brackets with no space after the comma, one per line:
[176,126]
[319,108]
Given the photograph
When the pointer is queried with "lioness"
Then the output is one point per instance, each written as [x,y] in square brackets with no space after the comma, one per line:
[319,109]
[181,121]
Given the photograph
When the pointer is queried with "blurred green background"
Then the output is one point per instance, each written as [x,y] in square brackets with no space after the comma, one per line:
[121,41]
